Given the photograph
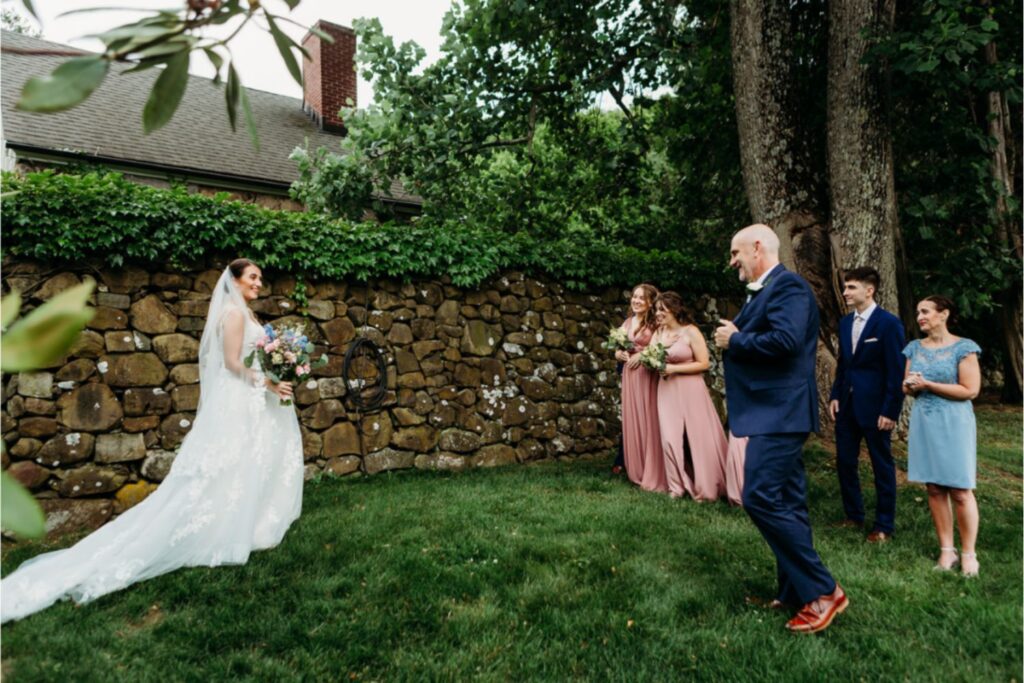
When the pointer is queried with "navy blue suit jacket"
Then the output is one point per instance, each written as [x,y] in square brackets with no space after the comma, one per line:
[769,365]
[874,373]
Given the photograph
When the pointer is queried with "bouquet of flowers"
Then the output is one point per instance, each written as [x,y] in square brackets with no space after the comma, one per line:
[283,355]
[653,357]
[618,340]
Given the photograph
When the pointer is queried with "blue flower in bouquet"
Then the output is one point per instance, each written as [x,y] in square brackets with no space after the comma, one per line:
[284,355]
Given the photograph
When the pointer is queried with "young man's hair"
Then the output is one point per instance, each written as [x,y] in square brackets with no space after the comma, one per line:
[865,274]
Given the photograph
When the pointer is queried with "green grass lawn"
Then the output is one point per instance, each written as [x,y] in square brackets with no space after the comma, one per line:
[552,572]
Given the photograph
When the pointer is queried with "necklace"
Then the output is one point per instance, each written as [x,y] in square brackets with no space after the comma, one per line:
[678,335]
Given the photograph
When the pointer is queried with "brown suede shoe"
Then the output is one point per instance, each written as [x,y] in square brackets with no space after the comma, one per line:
[816,616]
[879,537]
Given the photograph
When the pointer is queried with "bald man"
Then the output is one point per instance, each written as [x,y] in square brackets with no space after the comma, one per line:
[772,396]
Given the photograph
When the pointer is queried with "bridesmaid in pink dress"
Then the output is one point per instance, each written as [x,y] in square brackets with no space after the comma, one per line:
[641,440]
[692,438]
[735,457]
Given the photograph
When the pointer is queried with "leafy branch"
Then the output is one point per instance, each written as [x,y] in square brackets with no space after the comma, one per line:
[166,38]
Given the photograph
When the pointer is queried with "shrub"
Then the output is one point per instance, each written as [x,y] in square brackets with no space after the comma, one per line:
[102,217]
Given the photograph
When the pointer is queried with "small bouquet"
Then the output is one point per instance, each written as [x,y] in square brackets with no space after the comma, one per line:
[653,357]
[618,340]
[283,355]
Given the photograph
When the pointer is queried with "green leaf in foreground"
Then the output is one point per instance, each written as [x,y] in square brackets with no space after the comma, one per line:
[19,512]
[231,95]
[250,120]
[216,60]
[44,335]
[167,93]
[28,4]
[9,308]
[284,46]
[68,85]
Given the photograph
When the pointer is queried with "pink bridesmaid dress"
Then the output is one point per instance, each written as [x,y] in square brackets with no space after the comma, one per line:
[688,418]
[735,458]
[641,439]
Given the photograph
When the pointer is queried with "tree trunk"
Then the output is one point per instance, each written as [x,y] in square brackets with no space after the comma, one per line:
[1009,237]
[865,219]
[1012,334]
[784,185]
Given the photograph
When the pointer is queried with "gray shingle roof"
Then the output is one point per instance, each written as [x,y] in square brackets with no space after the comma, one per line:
[198,140]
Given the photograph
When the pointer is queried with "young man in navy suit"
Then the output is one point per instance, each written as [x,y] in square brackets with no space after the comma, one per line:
[866,399]
[770,351]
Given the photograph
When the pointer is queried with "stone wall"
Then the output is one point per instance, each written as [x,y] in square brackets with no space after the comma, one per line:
[510,372]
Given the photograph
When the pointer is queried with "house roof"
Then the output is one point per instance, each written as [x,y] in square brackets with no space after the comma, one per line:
[198,141]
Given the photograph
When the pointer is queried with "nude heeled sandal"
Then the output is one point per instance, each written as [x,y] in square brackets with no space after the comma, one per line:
[939,568]
[969,574]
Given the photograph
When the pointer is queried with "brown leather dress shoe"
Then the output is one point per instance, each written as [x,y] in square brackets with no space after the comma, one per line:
[816,616]
[879,537]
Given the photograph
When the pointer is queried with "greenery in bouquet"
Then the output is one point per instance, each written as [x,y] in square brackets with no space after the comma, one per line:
[284,355]
[653,357]
[618,340]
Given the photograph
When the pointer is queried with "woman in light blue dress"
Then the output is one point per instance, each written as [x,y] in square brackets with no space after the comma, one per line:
[943,374]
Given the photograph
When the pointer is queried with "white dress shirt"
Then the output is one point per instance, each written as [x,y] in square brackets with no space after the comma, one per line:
[860,321]
[760,281]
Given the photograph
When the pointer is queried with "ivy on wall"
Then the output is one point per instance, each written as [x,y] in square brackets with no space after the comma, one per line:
[104,218]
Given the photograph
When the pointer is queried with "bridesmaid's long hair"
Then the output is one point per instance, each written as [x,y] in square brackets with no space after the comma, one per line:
[651,295]
[673,303]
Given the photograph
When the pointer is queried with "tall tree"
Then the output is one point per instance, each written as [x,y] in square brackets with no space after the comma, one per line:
[954,98]
[784,178]
[865,216]
[785,182]
[832,201]
[1004,158]
[12,20]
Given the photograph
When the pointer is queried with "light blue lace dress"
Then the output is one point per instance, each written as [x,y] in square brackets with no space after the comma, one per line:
[943,434]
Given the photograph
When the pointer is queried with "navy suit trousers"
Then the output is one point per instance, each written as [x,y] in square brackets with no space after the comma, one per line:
[848,438]
[775,498]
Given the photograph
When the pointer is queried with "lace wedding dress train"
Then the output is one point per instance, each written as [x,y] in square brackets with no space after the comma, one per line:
[235,486]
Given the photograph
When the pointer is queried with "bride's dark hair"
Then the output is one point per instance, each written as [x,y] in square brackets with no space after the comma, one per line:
[239,265]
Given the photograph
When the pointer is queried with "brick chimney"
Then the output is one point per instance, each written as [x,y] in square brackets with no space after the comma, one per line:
[329,75]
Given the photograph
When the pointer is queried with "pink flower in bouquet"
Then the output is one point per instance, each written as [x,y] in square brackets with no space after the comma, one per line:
[284,355]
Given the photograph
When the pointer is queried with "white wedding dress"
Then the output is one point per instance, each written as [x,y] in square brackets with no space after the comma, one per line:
[235,485]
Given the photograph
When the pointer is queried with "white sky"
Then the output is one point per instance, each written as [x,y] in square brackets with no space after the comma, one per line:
[259,64]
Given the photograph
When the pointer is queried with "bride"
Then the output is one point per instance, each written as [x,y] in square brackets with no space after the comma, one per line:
[235,485]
